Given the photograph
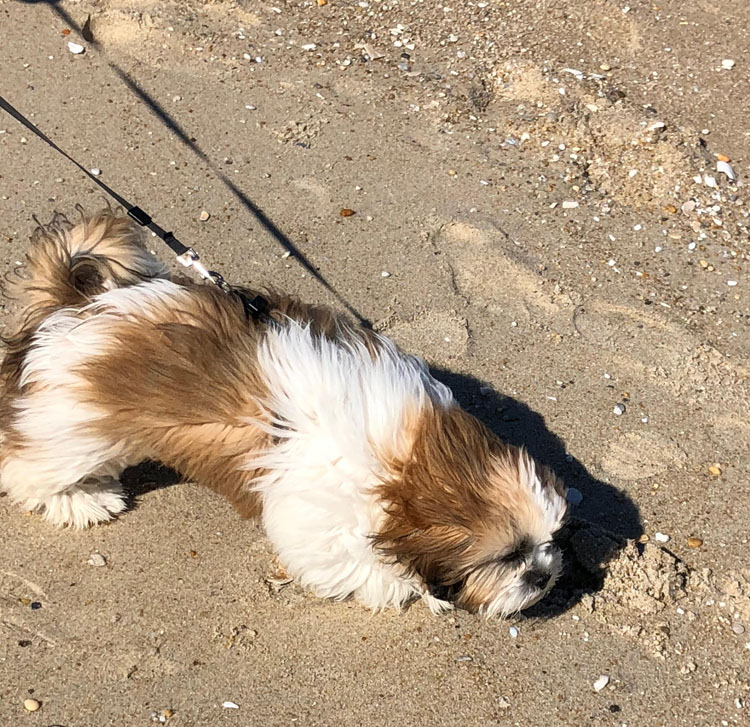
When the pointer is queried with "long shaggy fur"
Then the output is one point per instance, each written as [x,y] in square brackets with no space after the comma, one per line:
[369,479]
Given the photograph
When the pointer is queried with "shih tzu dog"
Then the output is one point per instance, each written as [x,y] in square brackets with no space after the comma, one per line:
[369,478]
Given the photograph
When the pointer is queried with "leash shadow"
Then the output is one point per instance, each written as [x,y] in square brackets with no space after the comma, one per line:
[169,121]
[597,528]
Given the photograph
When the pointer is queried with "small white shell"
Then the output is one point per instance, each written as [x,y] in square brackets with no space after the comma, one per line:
[230,705]
[574,72]
[601,682]
[726,168]
[75,48]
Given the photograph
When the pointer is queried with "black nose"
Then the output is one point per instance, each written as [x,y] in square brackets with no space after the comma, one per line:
[537,578]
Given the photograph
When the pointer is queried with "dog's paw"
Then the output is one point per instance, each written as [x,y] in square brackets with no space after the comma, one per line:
[84,504]
[436,605]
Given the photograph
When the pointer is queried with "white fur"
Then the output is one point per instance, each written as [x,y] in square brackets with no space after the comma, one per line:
[339,413]
[552,507]
[146,299]
[545,557]
[48,473]
[516,596]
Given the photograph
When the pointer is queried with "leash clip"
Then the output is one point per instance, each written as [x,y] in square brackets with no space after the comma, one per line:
[191,259]
[188,258]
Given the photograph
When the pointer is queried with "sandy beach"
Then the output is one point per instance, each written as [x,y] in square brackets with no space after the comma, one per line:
[547,205]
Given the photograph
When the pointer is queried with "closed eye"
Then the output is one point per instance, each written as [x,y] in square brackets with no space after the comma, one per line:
[515,557]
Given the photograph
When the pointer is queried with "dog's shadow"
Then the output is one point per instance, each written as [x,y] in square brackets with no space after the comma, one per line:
[146,477]
[597,527]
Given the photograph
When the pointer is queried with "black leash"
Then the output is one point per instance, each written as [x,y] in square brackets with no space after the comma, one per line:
[187,256]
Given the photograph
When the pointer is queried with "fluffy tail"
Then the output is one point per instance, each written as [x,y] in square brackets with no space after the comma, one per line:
[67,264]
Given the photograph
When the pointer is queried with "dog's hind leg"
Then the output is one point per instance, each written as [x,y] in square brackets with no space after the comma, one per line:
[64,488]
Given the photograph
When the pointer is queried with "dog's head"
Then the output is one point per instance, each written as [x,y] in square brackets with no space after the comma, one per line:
[470,517]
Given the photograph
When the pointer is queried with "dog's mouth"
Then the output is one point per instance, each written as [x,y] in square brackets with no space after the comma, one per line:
[501,588]
[534,594]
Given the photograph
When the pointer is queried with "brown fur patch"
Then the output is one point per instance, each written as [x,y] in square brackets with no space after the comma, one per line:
[67,264]
[180,385]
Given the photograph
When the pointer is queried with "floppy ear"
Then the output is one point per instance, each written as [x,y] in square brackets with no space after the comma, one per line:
[437,554]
